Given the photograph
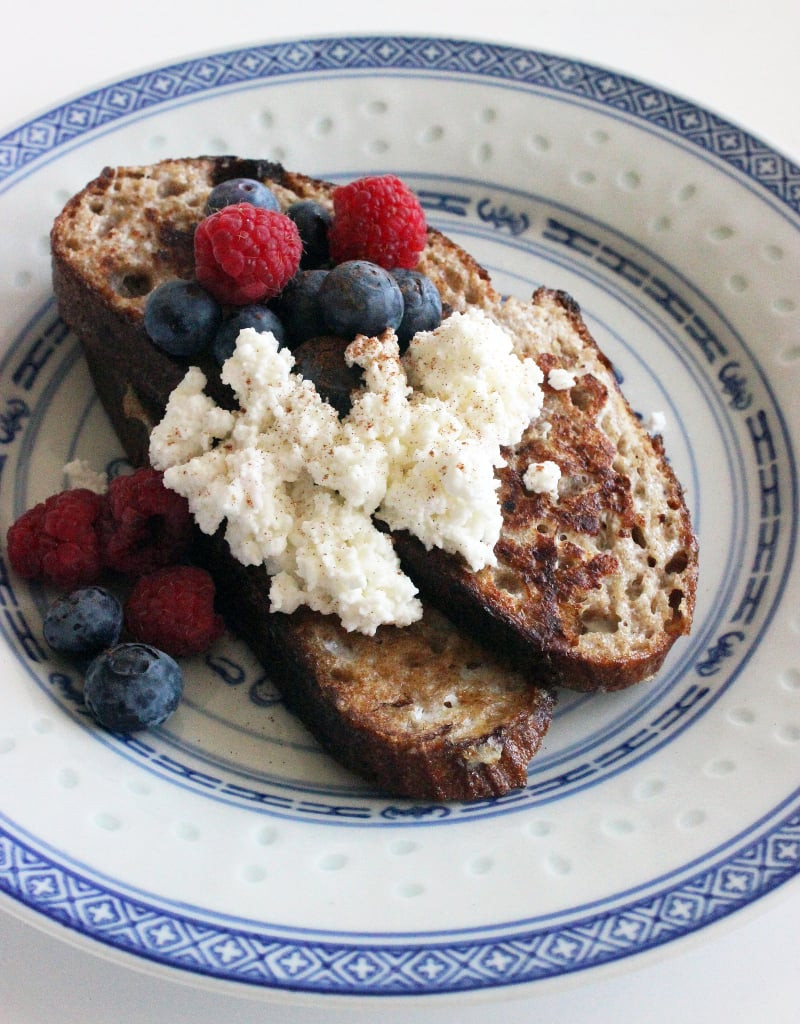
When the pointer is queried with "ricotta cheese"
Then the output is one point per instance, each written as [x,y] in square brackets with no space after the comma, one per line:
[542,477]
[79,473]
[560,379]
[299,489]
[656,423]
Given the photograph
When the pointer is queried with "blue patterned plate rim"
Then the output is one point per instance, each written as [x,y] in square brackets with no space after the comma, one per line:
[56,128]
[412,965]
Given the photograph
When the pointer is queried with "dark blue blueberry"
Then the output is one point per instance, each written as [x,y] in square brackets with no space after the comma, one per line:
[83,622]
[312,220]
[241,190]
[261,318]
[132,686]
[321,360]
[358,297]
[182,318]
[422,304]
[298,307]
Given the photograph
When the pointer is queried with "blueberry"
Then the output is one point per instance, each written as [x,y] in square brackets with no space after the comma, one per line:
[241,190]
[298,306]
[358,297]
[83,622]
[132,686]
[261,318]
[422,304]
[312,220]
[181,318]
[321,360]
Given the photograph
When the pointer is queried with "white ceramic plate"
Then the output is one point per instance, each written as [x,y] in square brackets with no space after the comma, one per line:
[225,844]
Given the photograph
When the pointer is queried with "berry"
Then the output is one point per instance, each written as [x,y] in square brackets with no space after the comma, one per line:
[57,540]
[83,622]
[378,219]
[298,306]
[321,360]
[358,297]
[313,222]
[241,190]
[181,318]
[245,254]
[422,304]
[259,317]
[144,524]
[132,686]
[173,609]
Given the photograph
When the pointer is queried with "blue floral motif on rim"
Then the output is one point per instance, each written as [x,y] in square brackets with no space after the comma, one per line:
[318,964]
[451,57]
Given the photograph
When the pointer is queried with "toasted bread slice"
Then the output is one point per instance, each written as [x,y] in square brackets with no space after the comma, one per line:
[594,583]
[592,586]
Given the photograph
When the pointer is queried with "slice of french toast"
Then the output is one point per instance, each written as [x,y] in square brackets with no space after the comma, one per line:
[596,579]
[593,583]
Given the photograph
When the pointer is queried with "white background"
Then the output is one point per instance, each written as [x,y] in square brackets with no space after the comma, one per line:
[738,58]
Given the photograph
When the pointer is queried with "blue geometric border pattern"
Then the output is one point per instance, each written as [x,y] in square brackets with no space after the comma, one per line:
[316,965]
[425,55]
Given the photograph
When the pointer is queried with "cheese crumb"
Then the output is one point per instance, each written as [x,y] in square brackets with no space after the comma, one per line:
[80,474]
[297,488]
[542,478]
[560,379]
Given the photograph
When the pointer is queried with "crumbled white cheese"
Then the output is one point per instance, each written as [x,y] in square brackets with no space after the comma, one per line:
[201,421]
[542,477]
[656,423]
[560,379]
[79,473]
[297,487]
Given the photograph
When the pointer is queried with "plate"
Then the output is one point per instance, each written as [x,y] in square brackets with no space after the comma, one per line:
[225,845]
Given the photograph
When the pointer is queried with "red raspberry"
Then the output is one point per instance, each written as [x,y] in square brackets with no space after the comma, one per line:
[173,610]
[145,525]
[246,254]
[377,219]
[57,540]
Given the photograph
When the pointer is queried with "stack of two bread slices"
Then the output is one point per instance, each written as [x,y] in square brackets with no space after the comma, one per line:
[591,587]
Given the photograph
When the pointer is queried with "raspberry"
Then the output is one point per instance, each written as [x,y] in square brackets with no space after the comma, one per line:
[173,610]
[57,540]
[377,219]
[244,253]
[144,525]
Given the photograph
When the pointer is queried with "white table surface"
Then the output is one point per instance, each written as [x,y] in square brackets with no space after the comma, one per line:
[735,57]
